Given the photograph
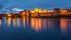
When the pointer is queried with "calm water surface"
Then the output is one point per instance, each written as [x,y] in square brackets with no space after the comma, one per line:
[35,29]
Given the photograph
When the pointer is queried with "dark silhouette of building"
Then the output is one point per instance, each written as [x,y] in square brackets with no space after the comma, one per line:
[56,11]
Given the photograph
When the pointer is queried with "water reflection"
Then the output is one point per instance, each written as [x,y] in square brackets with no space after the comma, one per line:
[44,23]
[18,22]
[36,24]
[9,21]
[14,22]
[64,25]
[0,22]
[24,21]
[35,28]
[39,24]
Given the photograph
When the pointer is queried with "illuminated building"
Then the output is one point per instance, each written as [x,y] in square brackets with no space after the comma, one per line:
[28,13]
[50,12]
[69,11]
[32,11]
[23,13]
[44,11]
[64,11]
[37,10]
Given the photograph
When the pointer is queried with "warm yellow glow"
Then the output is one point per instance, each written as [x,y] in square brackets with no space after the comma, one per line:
[9,15]
[9,21]
[33,23]
[40,11]
[36,24]
[44,11]
[32,11]
[37,10]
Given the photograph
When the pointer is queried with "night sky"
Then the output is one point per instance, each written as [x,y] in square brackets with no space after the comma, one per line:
[30,4]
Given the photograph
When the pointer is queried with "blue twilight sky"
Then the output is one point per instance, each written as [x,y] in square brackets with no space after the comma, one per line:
[30,4]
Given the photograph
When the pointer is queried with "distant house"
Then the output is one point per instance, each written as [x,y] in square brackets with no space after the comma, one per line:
[63,11]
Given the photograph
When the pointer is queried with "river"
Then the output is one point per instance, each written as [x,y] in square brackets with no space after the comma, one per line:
[35,29]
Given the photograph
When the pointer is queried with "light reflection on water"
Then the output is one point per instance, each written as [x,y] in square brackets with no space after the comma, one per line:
[0,22]
[64,25]
[48,28]
[14,22]
[9,21]
[36,24]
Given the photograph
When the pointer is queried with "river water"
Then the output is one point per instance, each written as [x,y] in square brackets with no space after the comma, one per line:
[35,29]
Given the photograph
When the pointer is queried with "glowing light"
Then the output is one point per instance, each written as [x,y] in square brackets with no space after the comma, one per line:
[50,10]
[44,11]
[64,25]
[9,15]
[9,21]
[63,11]
[40,10]
[32,11]
[36,24]
[37,10]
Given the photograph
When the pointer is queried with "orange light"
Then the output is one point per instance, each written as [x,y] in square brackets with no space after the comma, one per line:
[9,21]
[63,25]
[32,11]
[36,24]
[9,15]
[63,11]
